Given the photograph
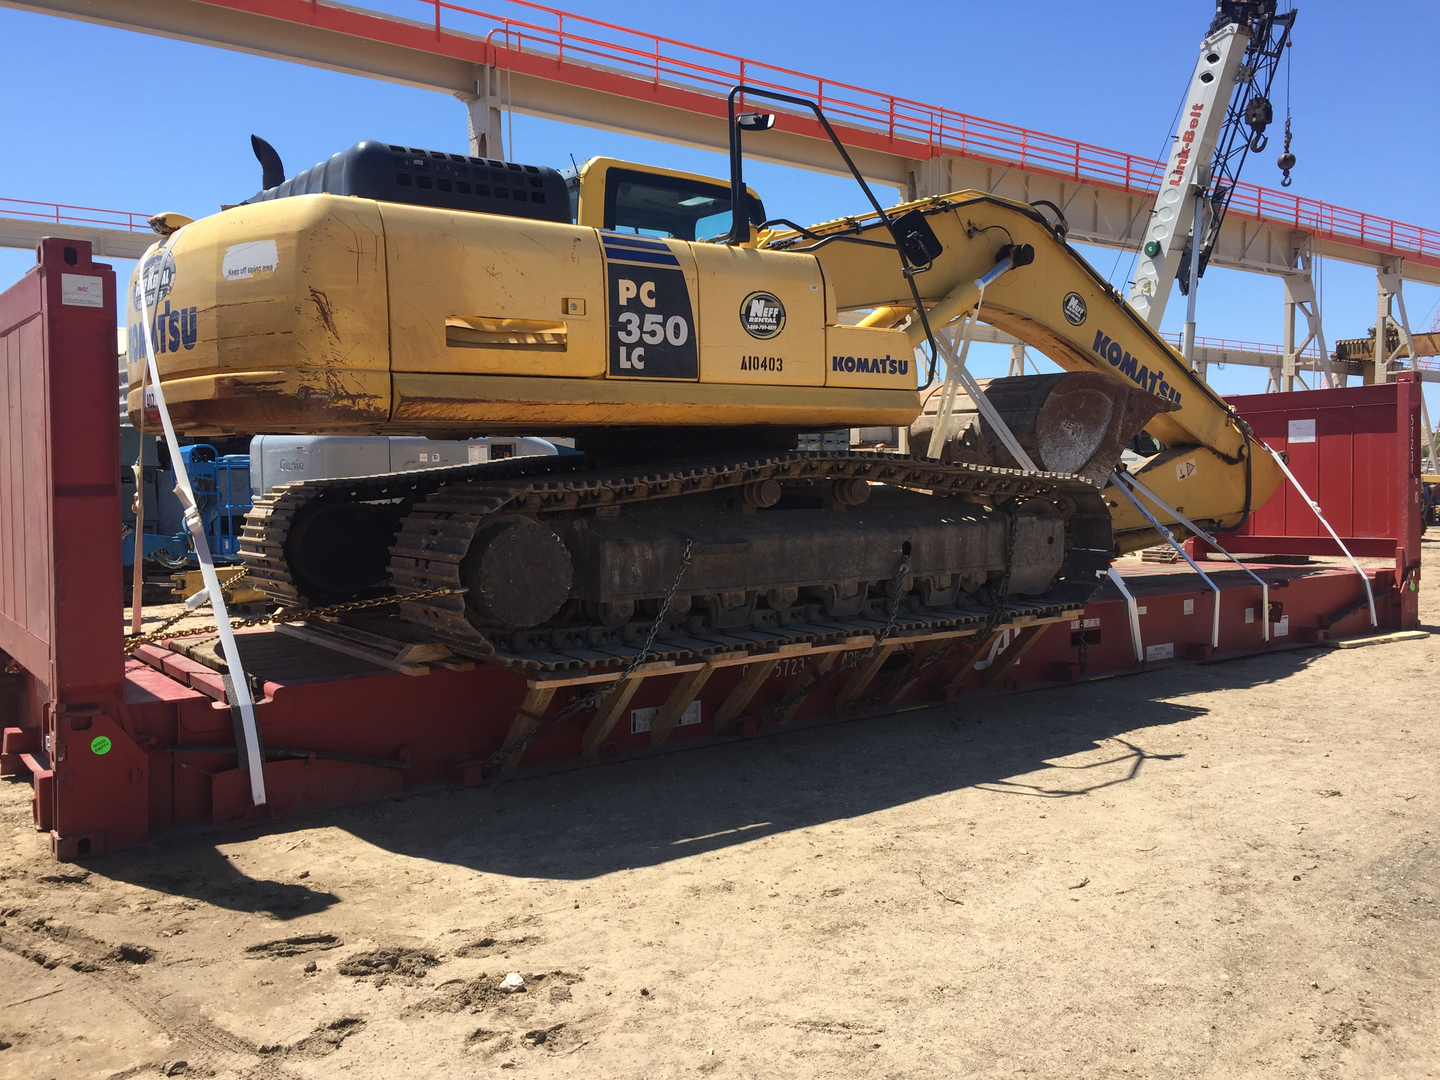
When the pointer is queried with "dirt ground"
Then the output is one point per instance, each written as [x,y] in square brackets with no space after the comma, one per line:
[1223,870]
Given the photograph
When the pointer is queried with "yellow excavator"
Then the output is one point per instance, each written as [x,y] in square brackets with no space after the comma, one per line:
[683,340]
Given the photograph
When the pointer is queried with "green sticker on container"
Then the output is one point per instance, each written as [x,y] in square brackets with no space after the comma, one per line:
[100,744]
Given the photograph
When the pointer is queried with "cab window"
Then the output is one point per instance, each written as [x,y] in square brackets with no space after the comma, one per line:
[670,206]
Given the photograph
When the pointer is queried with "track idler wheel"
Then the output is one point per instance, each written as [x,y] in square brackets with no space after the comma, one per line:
[518,573]
[342,550]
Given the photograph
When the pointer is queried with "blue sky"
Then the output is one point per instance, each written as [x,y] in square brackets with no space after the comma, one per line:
[103,117]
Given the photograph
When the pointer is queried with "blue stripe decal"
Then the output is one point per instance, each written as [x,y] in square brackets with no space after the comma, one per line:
[653,258]
[633,241]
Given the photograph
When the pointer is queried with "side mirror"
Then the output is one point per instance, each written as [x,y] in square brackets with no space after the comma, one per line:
[755,121]
[917,240]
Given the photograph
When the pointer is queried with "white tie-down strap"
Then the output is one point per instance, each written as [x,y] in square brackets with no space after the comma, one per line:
[956,376]
[1135,483]
[1369,592]
[1133,610]
[1170,539]
[250,752]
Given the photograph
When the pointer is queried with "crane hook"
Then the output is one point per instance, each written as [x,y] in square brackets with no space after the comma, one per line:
[1286,160]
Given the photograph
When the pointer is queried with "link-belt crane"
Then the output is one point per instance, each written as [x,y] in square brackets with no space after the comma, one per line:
[1225,116]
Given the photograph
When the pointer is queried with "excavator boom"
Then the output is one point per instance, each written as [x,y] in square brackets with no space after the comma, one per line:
[1062,307]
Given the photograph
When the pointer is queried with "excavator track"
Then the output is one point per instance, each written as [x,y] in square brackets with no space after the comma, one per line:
[449,507]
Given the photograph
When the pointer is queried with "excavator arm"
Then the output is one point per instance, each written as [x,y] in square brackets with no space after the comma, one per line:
[1059,305]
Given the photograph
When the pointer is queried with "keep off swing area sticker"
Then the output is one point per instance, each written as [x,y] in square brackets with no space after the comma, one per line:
[100,744]
[255,258]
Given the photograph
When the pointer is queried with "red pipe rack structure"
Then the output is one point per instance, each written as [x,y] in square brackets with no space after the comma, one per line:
[584,52]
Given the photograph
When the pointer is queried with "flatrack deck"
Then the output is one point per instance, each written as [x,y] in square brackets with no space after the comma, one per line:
[118,748]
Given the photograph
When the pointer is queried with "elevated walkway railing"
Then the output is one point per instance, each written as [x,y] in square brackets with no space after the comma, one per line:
[916,129]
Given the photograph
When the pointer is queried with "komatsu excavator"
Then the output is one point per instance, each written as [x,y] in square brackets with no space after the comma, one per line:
[684,341]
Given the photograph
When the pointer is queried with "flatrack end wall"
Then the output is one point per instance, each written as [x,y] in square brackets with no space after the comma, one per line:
[1356,451]
[60,562]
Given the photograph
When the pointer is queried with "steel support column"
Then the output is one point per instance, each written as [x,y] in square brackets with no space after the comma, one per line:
[485,114]
[1388,283]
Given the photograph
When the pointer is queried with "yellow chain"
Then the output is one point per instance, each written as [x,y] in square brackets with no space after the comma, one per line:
[134,641]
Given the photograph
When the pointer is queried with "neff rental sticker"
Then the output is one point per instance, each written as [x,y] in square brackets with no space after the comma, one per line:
[1301,431]
[641,720]
[82,290]
[1074,308]
[100,744]
[156,278]
[762,314]
[245,261]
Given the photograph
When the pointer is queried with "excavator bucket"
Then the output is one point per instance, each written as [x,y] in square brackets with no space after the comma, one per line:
[1069,421]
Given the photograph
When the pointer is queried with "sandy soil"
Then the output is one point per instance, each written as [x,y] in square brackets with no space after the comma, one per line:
[1225,870]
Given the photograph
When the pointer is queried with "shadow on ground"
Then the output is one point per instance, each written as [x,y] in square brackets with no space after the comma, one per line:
[589,822]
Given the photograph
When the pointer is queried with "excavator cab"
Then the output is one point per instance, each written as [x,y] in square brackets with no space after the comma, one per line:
[621,196]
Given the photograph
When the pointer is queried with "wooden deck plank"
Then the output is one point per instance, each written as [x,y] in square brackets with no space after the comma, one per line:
[362,652]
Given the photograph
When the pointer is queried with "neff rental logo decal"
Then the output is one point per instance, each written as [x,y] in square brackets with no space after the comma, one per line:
[157,278]
[1074,308]
[762,314]
[173,329]
[652,332]
[1153,382]
[865,365]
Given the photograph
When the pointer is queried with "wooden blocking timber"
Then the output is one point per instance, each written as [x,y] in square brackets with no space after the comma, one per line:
[406,657]
[814,673]
[955,674]
[906,680]
[863,675]
[686,691]
[744,692]
[1004,661]
[609,713]
[537,700]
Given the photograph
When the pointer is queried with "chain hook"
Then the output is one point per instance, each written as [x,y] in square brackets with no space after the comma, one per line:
[1286,160]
